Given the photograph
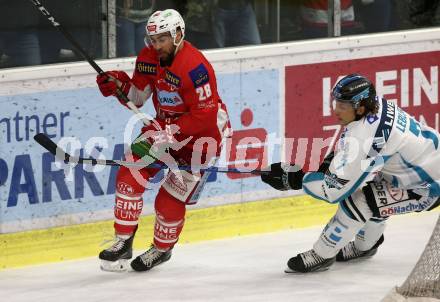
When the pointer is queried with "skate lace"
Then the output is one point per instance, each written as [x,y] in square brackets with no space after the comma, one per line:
[350,251]
[150,256]
[119,244]
[310,258]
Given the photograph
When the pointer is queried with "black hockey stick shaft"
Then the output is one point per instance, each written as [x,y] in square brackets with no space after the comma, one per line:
[79,50]
[59,153]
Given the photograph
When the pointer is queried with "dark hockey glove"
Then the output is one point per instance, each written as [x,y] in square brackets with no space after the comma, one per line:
[284,177]
[323,167]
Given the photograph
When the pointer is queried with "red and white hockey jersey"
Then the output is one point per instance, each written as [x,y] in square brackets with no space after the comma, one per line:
[186,92]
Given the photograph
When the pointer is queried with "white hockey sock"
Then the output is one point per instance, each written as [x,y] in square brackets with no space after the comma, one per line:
[351,216]
[336,234]
[367,237]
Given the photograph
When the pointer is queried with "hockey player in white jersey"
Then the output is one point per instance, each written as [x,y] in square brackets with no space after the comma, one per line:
[386,163]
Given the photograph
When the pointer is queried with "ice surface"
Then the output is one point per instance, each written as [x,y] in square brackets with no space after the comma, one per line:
[240,269]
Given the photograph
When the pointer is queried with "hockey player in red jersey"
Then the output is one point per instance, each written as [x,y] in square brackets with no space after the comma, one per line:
[190,112]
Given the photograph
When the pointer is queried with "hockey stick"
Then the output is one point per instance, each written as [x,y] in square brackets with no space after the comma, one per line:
[84,54]
[60,154]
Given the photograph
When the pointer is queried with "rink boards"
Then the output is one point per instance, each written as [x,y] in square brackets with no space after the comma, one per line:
[87,240]
[272,91]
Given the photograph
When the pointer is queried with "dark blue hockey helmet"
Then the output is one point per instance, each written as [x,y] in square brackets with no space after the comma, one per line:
[353,89]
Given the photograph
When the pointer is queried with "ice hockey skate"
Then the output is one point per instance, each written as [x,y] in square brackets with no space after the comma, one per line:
[115,258]
[350,252]
[308,262]
[151,258]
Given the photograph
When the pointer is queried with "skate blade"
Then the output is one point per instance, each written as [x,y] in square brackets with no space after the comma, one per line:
[118,266]
[288,270]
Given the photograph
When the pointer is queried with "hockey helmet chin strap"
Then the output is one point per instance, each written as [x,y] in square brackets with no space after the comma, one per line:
[148,43]
[178,44]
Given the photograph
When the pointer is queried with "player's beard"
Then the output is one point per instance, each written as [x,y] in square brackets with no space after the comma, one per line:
[168,60]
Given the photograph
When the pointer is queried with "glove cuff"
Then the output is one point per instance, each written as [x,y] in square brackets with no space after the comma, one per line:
[294,179]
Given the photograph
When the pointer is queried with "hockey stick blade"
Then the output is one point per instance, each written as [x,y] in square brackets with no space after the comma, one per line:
[60,154]
[50,146]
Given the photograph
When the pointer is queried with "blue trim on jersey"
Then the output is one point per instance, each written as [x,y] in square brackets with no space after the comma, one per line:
[395,182]
[320,176]
[430,135]
[353,188]
[361,178]
[313,176]
[308,192]
[414,128]
[385,127]
[434,187]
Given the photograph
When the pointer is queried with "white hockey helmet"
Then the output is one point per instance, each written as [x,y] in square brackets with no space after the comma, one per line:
[168,20]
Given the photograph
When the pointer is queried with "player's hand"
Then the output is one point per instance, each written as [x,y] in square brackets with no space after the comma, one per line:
[156,139]
[284,177]
[110,81]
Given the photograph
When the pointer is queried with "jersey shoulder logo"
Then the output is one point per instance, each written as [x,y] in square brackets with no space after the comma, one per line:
[199,75]
[146,68]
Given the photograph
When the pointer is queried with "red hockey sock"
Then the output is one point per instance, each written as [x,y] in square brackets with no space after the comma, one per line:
[128,203]
[170,218]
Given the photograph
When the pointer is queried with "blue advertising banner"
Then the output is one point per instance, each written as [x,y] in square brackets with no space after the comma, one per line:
[37,192]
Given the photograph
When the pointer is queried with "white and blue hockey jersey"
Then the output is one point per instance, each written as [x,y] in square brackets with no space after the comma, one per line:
[391,142]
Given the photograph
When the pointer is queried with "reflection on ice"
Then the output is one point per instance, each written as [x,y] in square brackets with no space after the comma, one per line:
[239,269]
